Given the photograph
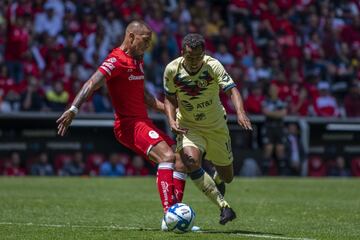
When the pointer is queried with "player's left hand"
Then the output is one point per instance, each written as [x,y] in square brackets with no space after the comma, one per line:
[64,122]
[244,121]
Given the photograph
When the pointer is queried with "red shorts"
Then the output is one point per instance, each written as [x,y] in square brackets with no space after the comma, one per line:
[140,135]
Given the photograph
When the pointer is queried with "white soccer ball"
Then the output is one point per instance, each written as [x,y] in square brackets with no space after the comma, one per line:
[180,218]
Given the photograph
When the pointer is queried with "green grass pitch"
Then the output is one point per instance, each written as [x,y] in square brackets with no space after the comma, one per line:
[129,208]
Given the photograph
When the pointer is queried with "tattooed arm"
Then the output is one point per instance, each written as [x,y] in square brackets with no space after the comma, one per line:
[94,83]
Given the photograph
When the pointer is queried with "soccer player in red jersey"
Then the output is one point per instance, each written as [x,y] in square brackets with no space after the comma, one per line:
[122,71]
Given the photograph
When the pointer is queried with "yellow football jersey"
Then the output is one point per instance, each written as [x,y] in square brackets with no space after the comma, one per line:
[198,94]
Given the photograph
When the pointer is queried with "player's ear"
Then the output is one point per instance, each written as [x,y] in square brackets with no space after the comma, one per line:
[131,37]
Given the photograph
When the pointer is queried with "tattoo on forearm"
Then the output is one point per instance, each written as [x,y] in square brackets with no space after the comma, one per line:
[95,82]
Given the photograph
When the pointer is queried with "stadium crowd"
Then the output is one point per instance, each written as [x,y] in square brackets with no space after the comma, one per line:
[309,50]
[75,164]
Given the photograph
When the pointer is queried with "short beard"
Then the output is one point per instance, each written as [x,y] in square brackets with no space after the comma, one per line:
[138,57]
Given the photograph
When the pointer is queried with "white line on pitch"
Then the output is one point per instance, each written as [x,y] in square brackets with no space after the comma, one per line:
[271,236]
[76,226]
[145,229]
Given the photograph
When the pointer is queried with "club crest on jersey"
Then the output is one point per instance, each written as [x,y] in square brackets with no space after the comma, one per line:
[153,134]
[112,60]
[226,78]
[202,83]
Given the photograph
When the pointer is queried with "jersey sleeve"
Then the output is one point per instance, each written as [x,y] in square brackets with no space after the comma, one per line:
[221,76]
[168,80]
[110,67]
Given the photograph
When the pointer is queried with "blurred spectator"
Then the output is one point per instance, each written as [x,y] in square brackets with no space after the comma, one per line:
[42,167]
[352,100]
[101,101]
[4,106]
[93,163]
[223,55]
[48,22]
[294,149]
[17,44]
[98,45]
[138,163]
[325,104]
[238,10]
[155,20]
[113,167]
[12,166]
[214,24]
[282,84]
[316,167]
[32,98]
[250,168]
[273,133]
[299,101]
[184,16]
[259,40]
[113,27]
[57,97]
[355,166]
[254,100]
[10,102]
[73,166]
[258,72]
[338,168]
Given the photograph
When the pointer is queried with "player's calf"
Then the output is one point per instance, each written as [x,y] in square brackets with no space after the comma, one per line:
[220,184]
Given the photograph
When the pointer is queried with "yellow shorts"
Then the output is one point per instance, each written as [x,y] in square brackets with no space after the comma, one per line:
[216,143]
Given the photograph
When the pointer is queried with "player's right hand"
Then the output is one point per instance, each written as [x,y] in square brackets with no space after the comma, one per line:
[64,122]
[175,128]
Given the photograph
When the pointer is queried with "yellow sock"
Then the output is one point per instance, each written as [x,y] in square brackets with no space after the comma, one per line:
[206,184]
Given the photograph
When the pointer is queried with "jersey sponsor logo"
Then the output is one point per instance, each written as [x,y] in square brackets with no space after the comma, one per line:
[134,77]
[193,88]
[202,83]
[187,105]
[153,134]
[199,116]
[204,104]
[165,189]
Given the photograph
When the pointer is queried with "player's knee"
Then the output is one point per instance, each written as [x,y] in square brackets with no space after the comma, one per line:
[191,164]
[228,179]
[179,166]
[168,156]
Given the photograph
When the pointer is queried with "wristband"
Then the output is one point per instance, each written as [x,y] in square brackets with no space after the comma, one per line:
[74,109]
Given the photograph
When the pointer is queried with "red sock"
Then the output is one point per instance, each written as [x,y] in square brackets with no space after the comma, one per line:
[179,185]
[165,184]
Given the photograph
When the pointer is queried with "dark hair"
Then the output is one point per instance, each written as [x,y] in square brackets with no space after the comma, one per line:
[193,40]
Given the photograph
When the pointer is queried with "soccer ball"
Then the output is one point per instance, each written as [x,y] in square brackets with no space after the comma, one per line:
[179,218]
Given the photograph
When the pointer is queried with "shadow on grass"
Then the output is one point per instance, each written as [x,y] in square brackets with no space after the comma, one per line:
[211,231]
[242,232]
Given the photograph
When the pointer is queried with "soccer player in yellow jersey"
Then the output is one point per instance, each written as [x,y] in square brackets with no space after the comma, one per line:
[192,83]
